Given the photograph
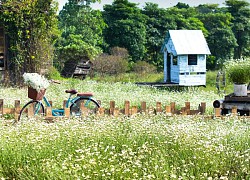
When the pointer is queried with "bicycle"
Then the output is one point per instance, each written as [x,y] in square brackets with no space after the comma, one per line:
[36,108]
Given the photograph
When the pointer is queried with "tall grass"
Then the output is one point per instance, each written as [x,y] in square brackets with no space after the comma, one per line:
[142,147]
[118,92]
[138,147]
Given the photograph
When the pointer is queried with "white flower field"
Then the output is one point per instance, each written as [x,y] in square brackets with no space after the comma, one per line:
[138,147]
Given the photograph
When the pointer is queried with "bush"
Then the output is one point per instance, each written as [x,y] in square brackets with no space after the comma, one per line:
[142,67]
[110,64]
[238,71]
[53,73]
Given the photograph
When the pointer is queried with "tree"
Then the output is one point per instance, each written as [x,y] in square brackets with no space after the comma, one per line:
[186,18]
[31,27]
[220,37]
[125,28]
[158,22]
[241,26]
[81,38]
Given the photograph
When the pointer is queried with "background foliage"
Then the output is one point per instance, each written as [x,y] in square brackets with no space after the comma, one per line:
[31,28]
[85,33]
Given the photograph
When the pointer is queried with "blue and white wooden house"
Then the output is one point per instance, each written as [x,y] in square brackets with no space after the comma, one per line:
[185,54]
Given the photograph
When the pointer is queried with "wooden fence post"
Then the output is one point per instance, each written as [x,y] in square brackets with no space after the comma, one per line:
[112,107]
[116,112]
[51,103]
[30,111]
[234,110]
[48,112]
[158,107]
[101,111]
[217,112]
[183,111]
[143,107]
[66,112]
[172,106]
[17,108]
[168,110]
[134,110]
[187,106]
[83,109]
[1,107]
[127,106]
[203,108]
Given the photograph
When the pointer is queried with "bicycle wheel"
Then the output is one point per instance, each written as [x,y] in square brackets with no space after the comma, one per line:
[30,110]
[86,106]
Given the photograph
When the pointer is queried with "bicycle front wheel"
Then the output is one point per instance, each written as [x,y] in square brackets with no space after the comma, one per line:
[84,106]
[32,109]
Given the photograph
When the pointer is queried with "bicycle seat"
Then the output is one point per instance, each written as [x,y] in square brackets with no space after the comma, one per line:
[88,94]
[71,91]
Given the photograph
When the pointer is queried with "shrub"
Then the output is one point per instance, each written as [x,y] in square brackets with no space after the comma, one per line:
[110,64]
[53,73]
[118,51]
[142,67]
[238,71]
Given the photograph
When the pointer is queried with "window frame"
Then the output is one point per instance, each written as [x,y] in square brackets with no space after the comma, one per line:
[192,59]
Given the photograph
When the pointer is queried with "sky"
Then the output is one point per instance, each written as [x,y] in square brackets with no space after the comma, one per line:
[161,3]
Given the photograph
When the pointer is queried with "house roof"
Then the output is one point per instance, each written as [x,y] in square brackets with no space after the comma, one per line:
[186,42]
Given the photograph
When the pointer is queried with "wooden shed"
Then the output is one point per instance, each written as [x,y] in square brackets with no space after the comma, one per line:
[185,54]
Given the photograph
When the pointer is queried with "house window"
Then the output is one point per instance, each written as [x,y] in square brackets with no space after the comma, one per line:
[2,43]
[175,60]
[192,59]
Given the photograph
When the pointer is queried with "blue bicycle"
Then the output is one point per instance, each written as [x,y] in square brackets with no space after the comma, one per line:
[77,103]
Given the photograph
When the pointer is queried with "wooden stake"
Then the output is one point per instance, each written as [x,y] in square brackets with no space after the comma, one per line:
[101,111]
[234,110]
[172,105]
[48,112]
[187,106]
[168,110]
[127,106]
[66,112]
[112,107]
[203,108]
[1,107]
[51,103]
[143,107]
[158,107]
[17,109]
[217,112]
[183,111]
[134,110]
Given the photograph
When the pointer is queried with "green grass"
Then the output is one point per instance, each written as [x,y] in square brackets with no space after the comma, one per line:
[130,77]
[158,77]
[139,147]
[118,92]
[146,147]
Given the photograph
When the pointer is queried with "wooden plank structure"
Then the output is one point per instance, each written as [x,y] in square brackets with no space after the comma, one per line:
[128,110]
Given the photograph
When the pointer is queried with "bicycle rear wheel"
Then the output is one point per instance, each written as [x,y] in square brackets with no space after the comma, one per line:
[84,106]
[33,109]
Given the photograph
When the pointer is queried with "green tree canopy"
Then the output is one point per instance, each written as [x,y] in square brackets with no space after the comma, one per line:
[125,27]
[158,22]
[31,27]
[220,37]
[240,11]
[81,37]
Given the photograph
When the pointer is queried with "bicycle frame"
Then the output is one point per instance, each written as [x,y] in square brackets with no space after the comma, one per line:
[70,101]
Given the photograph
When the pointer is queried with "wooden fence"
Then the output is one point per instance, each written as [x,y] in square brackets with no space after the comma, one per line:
[128,110]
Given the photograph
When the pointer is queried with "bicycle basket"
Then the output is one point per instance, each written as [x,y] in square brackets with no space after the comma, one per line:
[33,94]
